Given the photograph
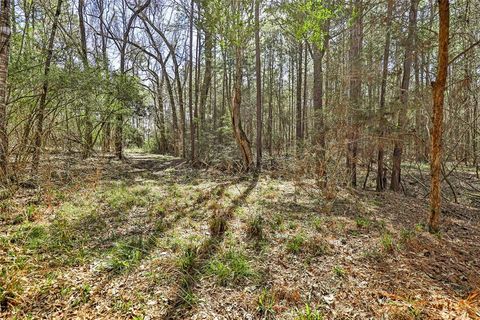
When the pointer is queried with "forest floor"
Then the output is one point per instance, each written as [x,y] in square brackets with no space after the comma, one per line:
[152,238]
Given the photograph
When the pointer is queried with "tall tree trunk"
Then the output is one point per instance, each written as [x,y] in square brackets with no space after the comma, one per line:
[270,105]
[190,87]
[438,92]
[207,76]
[318,53]
[88,134]
[43,96]
[298,131]
[240,136]
[258,75]
[161,117]
[4,50]
[356,37]
[381,179]
[402,112]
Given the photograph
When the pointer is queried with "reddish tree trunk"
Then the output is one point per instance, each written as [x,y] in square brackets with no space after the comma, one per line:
[438,92]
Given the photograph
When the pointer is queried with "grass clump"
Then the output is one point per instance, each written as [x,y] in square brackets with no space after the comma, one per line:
[10,288]
[339,272]
[309,313]
[232,267]
[255,228]
[218,224]
[362,222]
[265,303]
[30,235]
[295,244]
[387,242]
[187,260]
[120,198]
[317,246]
[126,254]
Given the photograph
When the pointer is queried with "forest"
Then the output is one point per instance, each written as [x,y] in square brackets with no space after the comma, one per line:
[239,159]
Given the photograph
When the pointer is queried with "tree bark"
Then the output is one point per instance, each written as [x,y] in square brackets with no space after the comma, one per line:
[438,94]
[190,87]
[381,178]
[43,96]
[356,38]
[258,75]
[4,51]
[298,128]
[88,143]
[240,136]
[404,87]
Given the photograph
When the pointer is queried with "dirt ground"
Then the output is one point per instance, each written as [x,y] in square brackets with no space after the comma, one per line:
[152,238]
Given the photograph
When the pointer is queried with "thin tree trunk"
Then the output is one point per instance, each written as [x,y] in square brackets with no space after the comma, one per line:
[43,97]
[402,113]
[258,75]
[438,94]
[240,136]
[298,131]
[381,178]
[4,51]
[355,91]
[88,143]
[190,87]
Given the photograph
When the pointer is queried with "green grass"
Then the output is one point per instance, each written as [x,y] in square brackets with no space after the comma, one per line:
[187,260]
[230,268]
[126,254]
[362,222]
[121,198]
[309,313]
[295,244]
[255,227]
[339,272]
[265,303]
[387,242]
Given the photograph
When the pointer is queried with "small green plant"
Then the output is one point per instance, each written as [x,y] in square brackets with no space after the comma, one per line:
[339,272]
[126,254]
[10,288]
[309,313]
[318,223]
[160,226]
[188,258]
[295,244]
[189,298]
[218,224]
[387,242]
[277,224]
[419,227]
[362,223]
[265,304]
[416,313]
[406,235]
[255,228]
[292,225]
[33,236]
